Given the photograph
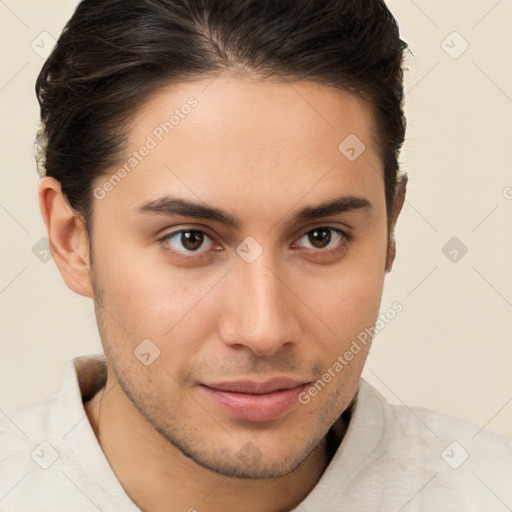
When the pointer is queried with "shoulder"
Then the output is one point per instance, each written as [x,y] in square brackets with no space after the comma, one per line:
[30,445]
[40,468]
[459,441]
[20,425]
[447,460]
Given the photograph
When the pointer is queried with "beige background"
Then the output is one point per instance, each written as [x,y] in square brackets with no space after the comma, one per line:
[450,347]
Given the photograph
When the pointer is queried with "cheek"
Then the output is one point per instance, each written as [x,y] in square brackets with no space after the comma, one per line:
[347,297]
[168,320]
[151,299]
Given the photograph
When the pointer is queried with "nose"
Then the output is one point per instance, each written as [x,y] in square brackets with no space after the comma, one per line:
[259,309]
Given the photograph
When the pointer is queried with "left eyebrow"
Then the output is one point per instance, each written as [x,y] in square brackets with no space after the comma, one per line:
[334,206]
[175,206]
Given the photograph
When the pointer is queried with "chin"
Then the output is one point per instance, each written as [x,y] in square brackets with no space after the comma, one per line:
[243,467]
[248,462]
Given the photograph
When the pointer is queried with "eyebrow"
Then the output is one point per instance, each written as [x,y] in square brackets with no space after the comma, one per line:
[174,206]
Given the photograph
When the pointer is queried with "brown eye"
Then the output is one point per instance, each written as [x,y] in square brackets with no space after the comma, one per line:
[321,238]
[192,240]
[188,240]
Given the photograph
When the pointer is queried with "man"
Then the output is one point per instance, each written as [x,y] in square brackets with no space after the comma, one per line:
[221,179]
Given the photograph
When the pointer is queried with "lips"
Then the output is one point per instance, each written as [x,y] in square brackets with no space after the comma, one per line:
[255,401]
[257,388]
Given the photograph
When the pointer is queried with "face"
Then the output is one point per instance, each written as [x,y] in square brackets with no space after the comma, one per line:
[221,316]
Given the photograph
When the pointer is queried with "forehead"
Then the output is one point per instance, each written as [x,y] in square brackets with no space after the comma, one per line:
[250,143]
[245,113]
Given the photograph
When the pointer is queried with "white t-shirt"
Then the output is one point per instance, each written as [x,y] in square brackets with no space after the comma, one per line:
[393,458]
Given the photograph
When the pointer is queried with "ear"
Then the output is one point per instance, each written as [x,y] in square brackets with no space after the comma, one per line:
[67,235]
[398,202]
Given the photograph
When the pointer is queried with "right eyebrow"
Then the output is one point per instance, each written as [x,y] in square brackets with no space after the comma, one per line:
[170,206]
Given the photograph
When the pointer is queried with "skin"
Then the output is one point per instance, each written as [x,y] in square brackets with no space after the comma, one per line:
[261,150]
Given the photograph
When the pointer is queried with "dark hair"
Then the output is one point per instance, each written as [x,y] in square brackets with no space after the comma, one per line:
[113,54]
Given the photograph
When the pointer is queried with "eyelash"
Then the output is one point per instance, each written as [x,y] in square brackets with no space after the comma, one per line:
[341,246]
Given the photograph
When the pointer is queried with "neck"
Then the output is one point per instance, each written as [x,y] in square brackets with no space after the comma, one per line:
[158,477]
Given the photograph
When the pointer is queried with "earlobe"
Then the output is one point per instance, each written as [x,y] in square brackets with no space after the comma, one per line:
[401,188]
[68,240]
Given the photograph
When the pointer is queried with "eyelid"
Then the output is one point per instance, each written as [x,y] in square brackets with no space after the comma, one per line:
[204,230]
[345,230]
[187,230]
[184,228]
[345,238]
